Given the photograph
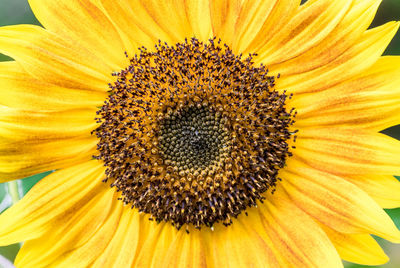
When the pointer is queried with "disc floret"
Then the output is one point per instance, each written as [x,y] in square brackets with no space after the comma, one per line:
[193,134]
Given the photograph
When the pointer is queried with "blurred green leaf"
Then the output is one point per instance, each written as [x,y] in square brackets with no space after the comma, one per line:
[16,12]
[395,214]
[10,252]
[5,200]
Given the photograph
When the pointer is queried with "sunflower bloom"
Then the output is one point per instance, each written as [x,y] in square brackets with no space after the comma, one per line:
[221,133]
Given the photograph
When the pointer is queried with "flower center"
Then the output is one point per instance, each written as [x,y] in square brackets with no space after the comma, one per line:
[194,139]
[193,134]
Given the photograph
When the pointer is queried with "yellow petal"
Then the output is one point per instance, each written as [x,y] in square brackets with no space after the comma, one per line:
[81,248]
[52,59]
[122,14]
[313,23]
[348,151]
[21,125]
[336,203]
[252,16]
[135,13]
[357,248]
[86,25]
[186,250]
[224,14]
[374,111]
[384,189]
[258,225]
[282,12]
[74,230]
[346,33]
[19,159]
[156,244]
[53,198]
[355,60]
[170,16]
[198,12]
[20,90]
[239,245]
[120,252]
[370,100]
[296,236]
[143,23]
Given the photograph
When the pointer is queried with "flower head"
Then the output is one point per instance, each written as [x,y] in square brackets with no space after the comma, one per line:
[200,133]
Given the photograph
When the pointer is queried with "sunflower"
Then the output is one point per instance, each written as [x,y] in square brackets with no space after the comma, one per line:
[221,133]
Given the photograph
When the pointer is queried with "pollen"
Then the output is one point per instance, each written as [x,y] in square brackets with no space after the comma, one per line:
[193,134]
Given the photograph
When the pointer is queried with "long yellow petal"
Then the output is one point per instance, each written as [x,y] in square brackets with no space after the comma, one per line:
[139,17]
[85,24]
[296,236]
[73,231]
[357,248]
[81,255]
[239,245]
[120,252]
[224,14]
[371,100]
[122,14]
[199,16]
[54,60]
[157,241]
[384,189]
[281,14]
[346,34]
[187,251]
[21,125]
[22,91]
[19,159]
[143,23]
[53,198]
[355,60]
[337,203]
[252,16]
[313,23]
[171,16]
[348,151]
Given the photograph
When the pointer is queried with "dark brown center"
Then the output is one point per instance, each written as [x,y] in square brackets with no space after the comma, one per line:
[193,134]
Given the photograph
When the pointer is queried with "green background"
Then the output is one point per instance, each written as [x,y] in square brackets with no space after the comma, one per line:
[19,12]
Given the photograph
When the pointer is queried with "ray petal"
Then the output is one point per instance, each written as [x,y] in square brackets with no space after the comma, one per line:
[187,250]
[337,203]
[225,246]
[19,125]
[22,91]
[326,49]
[85,24]
[224,14]
[314,21]
[357,248]
[384,189]
[370,100]
[296,236]
[279,16]
[55,197]
[20,159]
[52,59]
[355,60]
[121,250]
[348,151]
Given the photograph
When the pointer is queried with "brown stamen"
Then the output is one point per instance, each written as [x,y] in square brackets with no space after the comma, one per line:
[192,134]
